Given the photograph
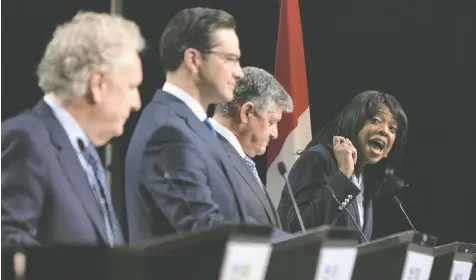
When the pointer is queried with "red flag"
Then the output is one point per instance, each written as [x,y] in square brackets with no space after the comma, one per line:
[290,71]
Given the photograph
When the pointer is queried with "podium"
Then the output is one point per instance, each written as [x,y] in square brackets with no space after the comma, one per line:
[318,253]
[221,253]
[453,261]
[473,270]
[226,252]
[69,262]
[406,255]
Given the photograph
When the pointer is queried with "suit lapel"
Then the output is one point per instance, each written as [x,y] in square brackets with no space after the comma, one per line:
[241,168]
[368,224]
[352,207]
[207,136]
[81,186]
[355,206]
[184,112]
[73,169]
[354,210]
[216,148]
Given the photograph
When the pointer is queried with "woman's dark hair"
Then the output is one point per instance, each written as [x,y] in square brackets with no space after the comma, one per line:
[350,121]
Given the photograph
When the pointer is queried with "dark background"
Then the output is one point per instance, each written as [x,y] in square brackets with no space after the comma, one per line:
[421,51]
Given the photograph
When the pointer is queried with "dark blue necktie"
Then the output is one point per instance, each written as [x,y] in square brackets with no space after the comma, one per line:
[103,195]
[210,126]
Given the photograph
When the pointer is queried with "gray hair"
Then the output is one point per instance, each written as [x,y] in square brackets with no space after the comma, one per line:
[260,88]
[90,42]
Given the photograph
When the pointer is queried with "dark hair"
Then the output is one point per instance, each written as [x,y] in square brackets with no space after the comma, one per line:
[191,28]
[350,121]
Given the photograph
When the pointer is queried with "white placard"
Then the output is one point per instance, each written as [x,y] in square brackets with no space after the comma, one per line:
[245,261]
[461,270]
[417,266]
[336,263]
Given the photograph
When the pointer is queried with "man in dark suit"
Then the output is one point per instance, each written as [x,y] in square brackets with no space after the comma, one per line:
[178,178]
[245,126]
[53,182]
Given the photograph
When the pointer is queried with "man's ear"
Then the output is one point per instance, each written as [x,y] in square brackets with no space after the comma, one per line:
[245,111]
[96,87]
[192,59]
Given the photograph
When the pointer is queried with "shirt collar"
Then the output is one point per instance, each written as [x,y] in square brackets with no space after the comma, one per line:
[191,102]
[69,124]
[358,182]
[229,136]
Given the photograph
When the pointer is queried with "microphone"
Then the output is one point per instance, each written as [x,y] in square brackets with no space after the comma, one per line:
[343,206]
[399,203]
[275,215]
[282,171]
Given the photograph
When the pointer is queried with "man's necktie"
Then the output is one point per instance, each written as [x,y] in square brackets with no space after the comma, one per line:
[210,126]
[103,195]
[252,167]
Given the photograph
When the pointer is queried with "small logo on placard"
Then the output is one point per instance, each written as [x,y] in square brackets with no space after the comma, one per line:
[241,272]
[413,273]
[330,272]
[458,276]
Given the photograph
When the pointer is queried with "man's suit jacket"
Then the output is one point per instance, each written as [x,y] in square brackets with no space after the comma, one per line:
[310,178]
[258,203]
[177,177]
[46,195]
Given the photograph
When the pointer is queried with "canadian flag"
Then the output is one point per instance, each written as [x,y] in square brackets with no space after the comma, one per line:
[290,71]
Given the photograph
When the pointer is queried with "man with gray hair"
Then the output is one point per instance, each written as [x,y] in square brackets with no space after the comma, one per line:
[245,126]
[53,182]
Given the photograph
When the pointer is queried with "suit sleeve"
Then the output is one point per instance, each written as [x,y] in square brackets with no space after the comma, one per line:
[175,177]
[310,179]
[22,189]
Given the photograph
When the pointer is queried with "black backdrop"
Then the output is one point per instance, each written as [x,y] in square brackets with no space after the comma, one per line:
[421,51]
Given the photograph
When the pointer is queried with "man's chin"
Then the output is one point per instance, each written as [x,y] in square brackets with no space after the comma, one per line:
[221,97]
[261,152]
[228,96]
[116,133]
[119,132]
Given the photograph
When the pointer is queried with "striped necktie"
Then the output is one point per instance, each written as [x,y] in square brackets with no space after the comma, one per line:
[103,196]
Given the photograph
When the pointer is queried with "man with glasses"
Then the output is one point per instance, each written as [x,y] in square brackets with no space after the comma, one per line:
[178,178]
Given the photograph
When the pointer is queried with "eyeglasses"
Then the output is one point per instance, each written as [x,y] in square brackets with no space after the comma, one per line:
[230,57]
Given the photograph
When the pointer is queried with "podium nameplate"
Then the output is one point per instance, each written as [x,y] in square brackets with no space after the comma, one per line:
[245,260]
[403,256]
[336,262]
[453,261]
[226,252]
[324,253]
[417,266]
[461,270]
